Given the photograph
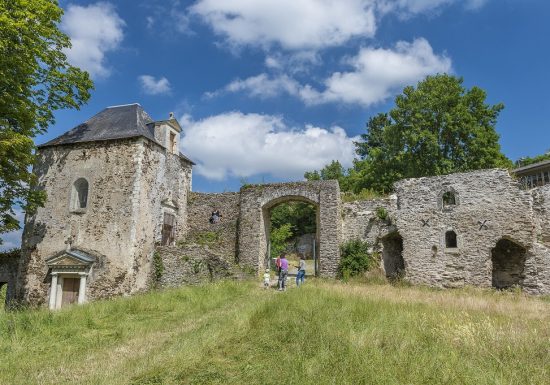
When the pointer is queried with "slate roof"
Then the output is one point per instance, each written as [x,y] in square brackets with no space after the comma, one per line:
[117,122]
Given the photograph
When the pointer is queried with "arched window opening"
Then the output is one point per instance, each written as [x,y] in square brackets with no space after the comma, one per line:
[449,199]
[450,240]
[80,194]
[508,264]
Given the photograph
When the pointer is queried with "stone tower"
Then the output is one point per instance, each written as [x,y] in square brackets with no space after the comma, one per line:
[117,186]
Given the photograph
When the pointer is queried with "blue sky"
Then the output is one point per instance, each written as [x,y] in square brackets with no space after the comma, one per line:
[268,89]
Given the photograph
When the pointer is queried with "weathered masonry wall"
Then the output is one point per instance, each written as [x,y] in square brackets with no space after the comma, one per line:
[255,204]
[104,228]
[490,207]
[220,237]
[8,274]
[161,188]
[361,221]
[132,183]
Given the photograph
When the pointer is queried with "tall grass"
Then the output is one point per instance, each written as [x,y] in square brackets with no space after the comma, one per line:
[322,333]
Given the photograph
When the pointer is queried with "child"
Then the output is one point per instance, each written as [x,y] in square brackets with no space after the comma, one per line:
[267,279]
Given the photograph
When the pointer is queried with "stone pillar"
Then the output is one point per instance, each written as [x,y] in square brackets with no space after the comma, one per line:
[53,291]
[59,294]
[82,289]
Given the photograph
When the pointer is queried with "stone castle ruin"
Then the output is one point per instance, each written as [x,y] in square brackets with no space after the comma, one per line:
[120,218]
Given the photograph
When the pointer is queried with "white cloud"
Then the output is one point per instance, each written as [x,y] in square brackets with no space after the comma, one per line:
[262,86]
[414,7]
[238,144]
[377,75]
[294,25]
[380,73]
[94,30]
[152,86]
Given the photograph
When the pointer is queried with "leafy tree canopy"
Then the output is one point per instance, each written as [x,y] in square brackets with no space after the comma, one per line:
[438,127]
[35,81]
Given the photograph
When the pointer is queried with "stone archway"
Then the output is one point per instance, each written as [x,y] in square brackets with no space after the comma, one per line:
[255,204]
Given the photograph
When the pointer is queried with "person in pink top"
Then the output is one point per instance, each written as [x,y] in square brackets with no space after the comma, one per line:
[283,272]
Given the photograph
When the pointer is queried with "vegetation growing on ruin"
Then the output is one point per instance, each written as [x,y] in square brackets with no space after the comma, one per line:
[324,333]
[363,195]
[158,267]
[526,161]
[438,127]
[355,258]
[203,238]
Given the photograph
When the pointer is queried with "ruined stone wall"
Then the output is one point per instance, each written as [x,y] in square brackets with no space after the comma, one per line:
[490,206]
[541,249]
[104,229]
[361,221]
[256,202]
[541,211]
[8,273]
[221,237]
[193,264]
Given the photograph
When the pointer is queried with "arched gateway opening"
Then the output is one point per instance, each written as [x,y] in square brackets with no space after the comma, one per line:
[256,205]
[291,225]
[508,264]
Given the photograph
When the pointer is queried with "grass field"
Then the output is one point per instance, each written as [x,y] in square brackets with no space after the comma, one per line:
[324,333]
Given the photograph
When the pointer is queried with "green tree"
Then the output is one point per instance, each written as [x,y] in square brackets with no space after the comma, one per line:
[332,171]
[279,239]
[435,128]
[35,81]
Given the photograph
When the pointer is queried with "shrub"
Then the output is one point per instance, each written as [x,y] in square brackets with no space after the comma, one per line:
[382,213]
[158,267]
[355,258]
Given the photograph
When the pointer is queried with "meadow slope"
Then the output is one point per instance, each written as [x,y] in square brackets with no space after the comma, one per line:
[327,332]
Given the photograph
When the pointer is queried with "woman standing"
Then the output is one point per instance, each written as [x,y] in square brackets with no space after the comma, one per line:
[300,277]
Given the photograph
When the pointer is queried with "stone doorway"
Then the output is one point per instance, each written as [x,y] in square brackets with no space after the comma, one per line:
[392,256]
[508,260]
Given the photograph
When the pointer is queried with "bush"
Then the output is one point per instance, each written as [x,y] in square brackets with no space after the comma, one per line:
[158,267]
[355,258]
[382,213]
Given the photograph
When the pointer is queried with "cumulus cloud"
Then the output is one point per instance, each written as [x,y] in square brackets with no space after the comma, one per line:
[380,73]
[291,24]
[377,74]
[152,86]
[94,30]
[239,144]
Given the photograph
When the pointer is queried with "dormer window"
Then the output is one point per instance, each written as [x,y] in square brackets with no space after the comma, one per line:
[79,195]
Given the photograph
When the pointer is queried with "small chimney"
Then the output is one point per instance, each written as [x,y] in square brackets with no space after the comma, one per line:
[171,115]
